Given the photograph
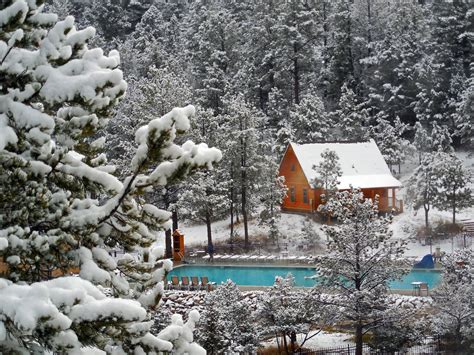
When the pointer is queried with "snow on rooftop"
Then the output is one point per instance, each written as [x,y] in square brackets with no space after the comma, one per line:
[362,164]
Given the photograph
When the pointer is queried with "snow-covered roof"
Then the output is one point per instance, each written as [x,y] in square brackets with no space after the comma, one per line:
[362,164]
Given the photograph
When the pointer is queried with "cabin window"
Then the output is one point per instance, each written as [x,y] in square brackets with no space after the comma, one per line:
[305,195]
[292,194]
[293,167]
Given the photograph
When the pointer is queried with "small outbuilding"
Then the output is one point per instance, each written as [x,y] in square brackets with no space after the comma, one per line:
[362,165]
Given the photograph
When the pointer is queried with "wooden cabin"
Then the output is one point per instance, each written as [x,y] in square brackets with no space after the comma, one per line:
[362,165]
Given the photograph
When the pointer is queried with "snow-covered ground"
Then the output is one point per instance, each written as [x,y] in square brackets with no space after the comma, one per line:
[323,340]
[404,226]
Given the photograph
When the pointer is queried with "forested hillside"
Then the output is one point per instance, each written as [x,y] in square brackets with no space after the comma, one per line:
[263,73]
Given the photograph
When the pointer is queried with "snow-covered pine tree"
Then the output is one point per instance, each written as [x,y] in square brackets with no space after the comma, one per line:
[423,186]
[61,209]
[454,192]
[111,20]
[309,120]
[243,126]
[421,140]
[440,138]
[361,260]
[339,68]
[310,236]
[391,69]
[351,117]
[151,96]
[227,325]
[295,32]
[465,110]
[389,139]
[454,301]
[212,49]
[328,171]
[284,312]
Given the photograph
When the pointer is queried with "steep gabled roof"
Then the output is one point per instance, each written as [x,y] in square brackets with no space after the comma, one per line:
[362,164]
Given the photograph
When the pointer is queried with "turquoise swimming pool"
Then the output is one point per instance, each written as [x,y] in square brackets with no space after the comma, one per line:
[265,276]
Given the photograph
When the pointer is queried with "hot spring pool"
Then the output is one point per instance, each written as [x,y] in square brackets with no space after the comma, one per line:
[265,275]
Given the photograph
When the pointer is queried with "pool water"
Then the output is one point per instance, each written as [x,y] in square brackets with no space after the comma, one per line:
[265,276]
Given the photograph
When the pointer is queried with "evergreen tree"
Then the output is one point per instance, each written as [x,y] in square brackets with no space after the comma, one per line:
[453,301]
[423,185]
[351,117]
[389,139]
[61,209]
[454,180]
[111,20]
[328,171]
[285,312]
[242,125]
[440,138]
[392,68]
[361,261]
[310,121]
[227,323]
[310,237]
[340,67]
[421,140]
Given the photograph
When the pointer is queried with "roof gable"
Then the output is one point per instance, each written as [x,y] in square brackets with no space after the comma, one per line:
[362,164]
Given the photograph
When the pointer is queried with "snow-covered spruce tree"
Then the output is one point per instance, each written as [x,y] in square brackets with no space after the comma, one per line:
[454,192]
[328,171]
[61,209]
[361,260]
[227,325]
[454,301]
[423,186]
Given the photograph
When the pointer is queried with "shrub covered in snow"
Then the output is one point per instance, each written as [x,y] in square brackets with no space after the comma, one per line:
[61,208]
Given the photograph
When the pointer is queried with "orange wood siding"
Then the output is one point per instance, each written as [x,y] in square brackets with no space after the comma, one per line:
[297,180]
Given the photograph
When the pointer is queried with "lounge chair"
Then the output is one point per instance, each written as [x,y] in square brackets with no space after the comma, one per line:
[205,284]
[185,283]
[195,285]
[174,282]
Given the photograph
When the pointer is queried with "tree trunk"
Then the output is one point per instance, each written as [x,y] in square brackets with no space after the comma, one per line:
[244,208]
[358,339]
[209,231]
[296,75]
[293,341]
[285,343]
[369,27]
[243,169]
[454,206]
[168,233]
[174,218]
[231,204]
[427,209]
